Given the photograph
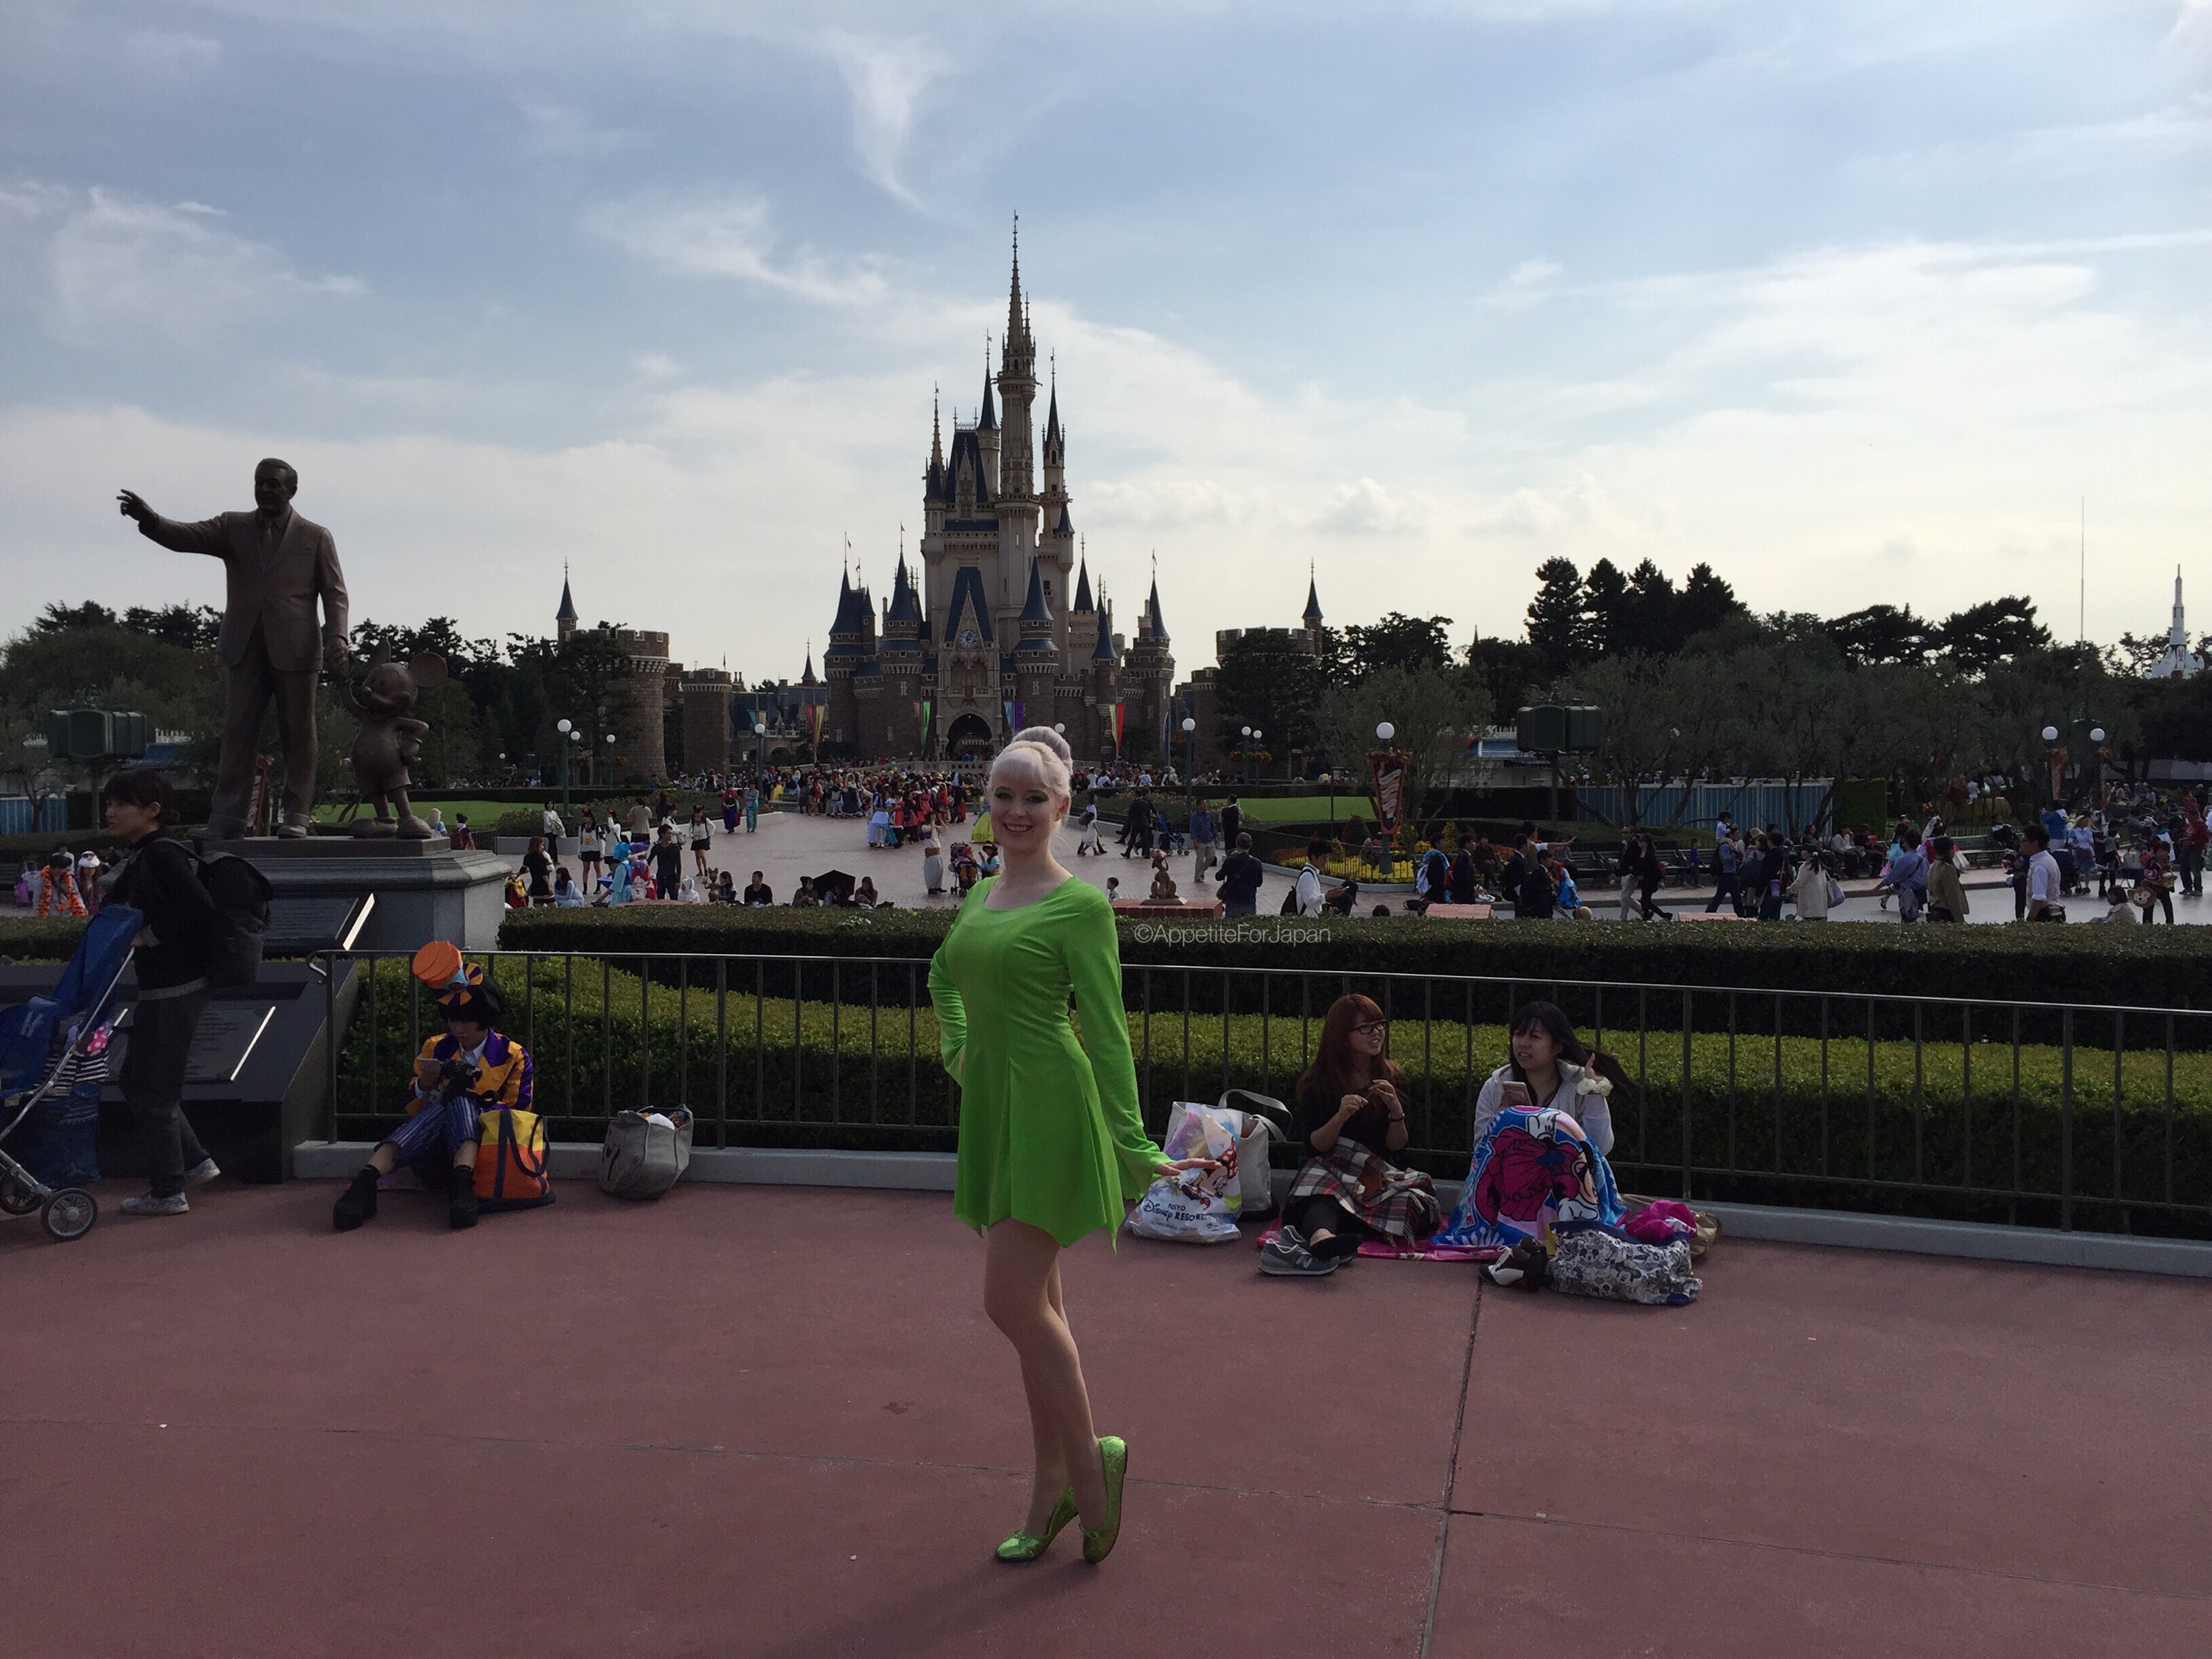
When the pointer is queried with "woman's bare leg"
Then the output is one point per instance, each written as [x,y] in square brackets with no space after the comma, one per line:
[1022,1295]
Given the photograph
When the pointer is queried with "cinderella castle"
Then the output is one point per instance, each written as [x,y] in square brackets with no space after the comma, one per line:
[1000,627]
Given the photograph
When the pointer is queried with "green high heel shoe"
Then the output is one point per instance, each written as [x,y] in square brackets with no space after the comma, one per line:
[1027,1546]
[1098,1541]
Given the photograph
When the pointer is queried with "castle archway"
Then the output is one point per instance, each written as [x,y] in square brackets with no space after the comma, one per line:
[969,737]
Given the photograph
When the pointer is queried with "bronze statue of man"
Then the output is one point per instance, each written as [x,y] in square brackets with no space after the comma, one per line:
[277,565]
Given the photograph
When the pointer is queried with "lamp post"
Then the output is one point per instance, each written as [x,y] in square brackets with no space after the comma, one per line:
[1189,767]
[564,727]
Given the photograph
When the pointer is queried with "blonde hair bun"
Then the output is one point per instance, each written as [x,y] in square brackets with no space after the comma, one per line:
[1050,739]
[1045,750]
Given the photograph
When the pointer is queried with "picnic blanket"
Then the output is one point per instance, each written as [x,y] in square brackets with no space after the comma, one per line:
[1400,1204]
[1531,1171]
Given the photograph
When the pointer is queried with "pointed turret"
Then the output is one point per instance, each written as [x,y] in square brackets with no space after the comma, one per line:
[988,420]
[564,619]
[1104,651]
[1312,617]
[906,607]
[807,678]
[1033,606]
[1154,627]
[1083,605]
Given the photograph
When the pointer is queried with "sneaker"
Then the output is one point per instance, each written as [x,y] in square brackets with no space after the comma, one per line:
[1291,1259]
[147,1204]
[201,1173]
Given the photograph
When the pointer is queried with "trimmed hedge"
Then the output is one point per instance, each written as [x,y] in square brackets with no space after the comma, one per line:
[26,938]
[1854,1124]
[2125,967]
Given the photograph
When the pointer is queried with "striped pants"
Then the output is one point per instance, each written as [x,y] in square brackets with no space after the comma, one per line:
[426,1142]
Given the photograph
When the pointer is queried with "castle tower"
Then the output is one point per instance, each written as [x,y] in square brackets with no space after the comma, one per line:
[2180,662]
[902,654]
[638,703]
[847,662]
[1146,681]
[986,428]
[1314,641]
[564,619]
[1018,386]
[705,695]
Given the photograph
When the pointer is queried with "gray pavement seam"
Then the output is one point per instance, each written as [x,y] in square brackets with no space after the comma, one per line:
[1840,1555]
[1451,1475]
[683,1448]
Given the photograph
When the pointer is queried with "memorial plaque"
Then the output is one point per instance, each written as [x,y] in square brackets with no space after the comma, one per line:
[301,925]
[224,1039]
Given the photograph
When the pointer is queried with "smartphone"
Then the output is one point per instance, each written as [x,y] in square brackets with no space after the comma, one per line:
[1514,1096]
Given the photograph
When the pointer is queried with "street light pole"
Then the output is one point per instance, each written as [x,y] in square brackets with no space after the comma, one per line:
[564,728]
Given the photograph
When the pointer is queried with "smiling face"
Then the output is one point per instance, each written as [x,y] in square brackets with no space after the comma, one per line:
[1024,809]
[274,486]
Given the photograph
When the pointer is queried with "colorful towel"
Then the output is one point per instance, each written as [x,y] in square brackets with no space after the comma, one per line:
[1532,1171]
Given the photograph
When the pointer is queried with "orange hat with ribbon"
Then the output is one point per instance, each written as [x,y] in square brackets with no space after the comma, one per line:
[458,982]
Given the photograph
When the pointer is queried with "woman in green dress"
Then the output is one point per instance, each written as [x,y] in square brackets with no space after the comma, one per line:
[1051,1144]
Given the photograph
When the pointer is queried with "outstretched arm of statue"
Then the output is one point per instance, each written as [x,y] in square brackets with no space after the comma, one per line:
[206,537]
[341,687]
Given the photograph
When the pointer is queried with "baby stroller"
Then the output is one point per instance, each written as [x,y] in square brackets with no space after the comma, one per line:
[86,989]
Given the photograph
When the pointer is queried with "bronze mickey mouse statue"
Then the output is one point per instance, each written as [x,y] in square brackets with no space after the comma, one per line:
[390,738]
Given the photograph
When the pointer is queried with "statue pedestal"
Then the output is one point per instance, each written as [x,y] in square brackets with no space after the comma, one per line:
[424,889]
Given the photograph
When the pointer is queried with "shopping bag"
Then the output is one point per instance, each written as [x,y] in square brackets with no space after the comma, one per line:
[645,1153]
[1195,1206]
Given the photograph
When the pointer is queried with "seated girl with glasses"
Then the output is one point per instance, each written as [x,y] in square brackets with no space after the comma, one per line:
[1349,1116]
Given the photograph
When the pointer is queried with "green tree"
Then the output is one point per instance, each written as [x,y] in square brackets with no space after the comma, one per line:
[1400,641]
[1995,631]
[1704,604]
[1604,624]
[1511,672]
[1646,620]
[1881,634]
[1555,615]
[1433,710]
[1266,678]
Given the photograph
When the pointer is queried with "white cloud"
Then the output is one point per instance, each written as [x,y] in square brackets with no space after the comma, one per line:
[732,237]
[884,77]
[110,262]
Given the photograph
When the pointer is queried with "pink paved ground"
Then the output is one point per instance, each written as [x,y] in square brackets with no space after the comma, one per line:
[755,1421]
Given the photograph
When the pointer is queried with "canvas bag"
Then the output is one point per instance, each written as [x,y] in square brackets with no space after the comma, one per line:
[645,1153]
[1262,1119]
[511,1173]
[1198,1206]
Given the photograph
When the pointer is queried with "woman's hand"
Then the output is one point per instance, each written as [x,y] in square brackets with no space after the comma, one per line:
[1177,1166]
[1385,1094]
[1350,1107]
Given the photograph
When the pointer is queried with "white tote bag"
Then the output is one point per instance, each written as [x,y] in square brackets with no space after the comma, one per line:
[1263,1118]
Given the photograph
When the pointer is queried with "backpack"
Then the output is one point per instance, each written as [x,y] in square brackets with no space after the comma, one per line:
[240,894]
[1289,902]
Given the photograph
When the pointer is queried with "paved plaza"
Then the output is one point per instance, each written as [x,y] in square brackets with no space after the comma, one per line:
[774,1421]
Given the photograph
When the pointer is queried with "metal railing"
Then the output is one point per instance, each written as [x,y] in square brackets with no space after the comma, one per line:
[2066,1115]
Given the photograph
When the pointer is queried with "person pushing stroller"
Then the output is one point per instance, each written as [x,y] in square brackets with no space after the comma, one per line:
[471,1070]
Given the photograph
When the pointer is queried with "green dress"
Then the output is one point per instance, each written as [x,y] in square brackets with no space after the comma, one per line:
[1049,1130]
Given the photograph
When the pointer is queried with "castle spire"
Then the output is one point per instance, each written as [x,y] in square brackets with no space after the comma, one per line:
[1312,616]
[987,420]
[1016,320]
[936,434]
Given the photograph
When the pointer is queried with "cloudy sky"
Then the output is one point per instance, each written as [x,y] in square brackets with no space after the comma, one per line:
[1859,303]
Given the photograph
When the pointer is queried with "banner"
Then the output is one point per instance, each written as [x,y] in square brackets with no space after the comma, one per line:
[1386,768]
[1117,730]
[814,712]
[1020,709]
[1007,709]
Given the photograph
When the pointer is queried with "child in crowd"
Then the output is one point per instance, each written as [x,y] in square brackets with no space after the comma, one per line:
[57,894]
[458,1077]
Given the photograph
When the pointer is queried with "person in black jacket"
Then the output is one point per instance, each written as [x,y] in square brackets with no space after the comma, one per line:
[1241,877]
[161,881]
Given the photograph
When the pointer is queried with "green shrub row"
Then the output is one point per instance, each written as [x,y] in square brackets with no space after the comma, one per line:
[27,938]
[2133,967]
[1850,1123]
